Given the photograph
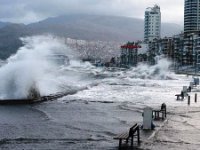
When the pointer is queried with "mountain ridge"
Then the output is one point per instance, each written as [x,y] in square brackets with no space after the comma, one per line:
[82,27]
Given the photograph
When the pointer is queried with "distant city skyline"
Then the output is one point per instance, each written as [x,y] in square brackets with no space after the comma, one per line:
[23,11]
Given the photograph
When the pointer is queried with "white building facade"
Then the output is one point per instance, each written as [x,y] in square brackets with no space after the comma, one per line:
[152,23]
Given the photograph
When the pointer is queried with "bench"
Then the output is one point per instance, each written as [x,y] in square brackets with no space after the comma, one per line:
[162,111]
[159,114]
[178,96]
[133,131]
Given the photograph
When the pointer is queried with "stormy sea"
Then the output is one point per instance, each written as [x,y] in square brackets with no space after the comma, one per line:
[106,102]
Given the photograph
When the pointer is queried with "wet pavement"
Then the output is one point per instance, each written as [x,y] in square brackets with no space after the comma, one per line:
[80,124]
[64,125]
[92,125]
[181,131]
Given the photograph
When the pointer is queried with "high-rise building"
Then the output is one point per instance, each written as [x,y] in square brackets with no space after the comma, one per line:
[152,23]
[192,16]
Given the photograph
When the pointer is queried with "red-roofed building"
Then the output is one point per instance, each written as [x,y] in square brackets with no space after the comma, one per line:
[129,54]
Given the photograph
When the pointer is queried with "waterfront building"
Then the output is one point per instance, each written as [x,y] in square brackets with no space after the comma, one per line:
[164,46]
[178,42]
[154,48]
[192,16]
[191,48]
[152,23]
[129,54]
[197,52]
[167,47]
[183,50]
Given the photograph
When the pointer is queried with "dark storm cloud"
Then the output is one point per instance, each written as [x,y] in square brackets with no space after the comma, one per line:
[34,10]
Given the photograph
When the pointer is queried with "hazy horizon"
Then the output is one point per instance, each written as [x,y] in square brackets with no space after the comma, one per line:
[84,14]
[22,11]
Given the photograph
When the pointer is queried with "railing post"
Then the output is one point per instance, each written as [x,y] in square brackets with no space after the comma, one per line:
[120,143]
[188,100]
[138,134]
[195,99]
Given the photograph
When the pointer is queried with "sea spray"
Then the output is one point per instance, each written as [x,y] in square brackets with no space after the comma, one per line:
[34,64]
[158,71]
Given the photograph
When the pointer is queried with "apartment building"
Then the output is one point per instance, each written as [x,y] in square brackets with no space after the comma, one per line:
[152,23]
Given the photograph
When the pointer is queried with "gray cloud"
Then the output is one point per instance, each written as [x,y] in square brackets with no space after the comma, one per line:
[27,11]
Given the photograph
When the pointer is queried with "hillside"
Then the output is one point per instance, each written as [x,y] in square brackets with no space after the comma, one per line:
[85,27]
[94,27]
[3,24]
[91,27]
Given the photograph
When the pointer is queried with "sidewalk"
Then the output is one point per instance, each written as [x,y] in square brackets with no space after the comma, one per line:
[181,131]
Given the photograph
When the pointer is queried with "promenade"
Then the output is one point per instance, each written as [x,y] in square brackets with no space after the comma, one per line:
[181,131]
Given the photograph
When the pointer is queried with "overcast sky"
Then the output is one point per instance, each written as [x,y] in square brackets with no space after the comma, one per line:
[27,11]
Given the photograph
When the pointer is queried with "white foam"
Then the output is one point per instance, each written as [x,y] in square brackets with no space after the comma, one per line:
[33,64]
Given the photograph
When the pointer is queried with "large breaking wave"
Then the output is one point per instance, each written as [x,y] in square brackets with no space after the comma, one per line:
[39,64]
[46,64]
